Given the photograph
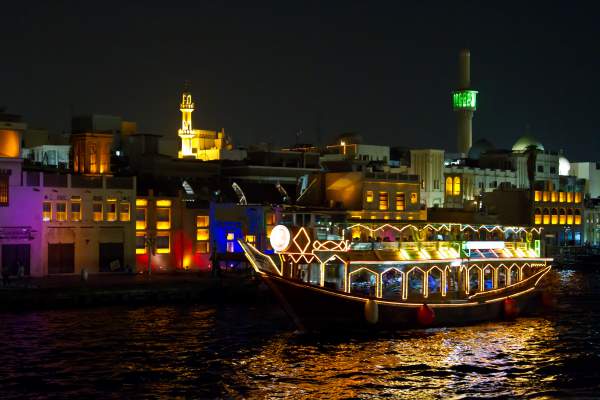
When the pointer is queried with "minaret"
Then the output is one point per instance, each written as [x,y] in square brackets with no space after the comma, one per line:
[464,102]
[186,133]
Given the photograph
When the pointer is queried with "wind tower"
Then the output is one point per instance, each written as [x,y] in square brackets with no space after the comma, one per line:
[464,103]
[186,133]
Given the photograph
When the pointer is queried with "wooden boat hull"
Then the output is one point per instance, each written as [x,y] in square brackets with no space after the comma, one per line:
[313,308]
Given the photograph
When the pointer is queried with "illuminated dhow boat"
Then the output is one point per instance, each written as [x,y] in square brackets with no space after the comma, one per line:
[396,276]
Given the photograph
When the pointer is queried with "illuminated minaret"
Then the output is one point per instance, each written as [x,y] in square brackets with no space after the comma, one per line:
[186,133]
[464,102]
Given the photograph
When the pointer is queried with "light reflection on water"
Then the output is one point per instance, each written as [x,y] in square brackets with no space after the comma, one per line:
[252,352]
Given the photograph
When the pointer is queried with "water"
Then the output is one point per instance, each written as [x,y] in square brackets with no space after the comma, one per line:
[252,352]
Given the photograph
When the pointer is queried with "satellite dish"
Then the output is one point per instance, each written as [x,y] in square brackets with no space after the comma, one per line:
[282,192]
[240,194]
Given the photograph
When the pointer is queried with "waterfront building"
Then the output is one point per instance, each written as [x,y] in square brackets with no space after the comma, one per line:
[590,171]
[428,164]
[48,155]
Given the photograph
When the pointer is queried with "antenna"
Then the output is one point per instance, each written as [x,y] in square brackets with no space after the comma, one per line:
[240,194]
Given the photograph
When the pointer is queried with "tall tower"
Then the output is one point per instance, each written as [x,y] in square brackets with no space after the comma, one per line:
[186,133]
[464,102]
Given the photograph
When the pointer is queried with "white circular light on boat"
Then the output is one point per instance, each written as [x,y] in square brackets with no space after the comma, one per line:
[280,238]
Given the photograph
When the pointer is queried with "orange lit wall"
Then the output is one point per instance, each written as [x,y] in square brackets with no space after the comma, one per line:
[10,144]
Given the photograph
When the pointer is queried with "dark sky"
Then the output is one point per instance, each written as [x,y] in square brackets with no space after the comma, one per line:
[265,70]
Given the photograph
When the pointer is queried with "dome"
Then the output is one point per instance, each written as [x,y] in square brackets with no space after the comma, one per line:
[525,141]
[564,166]
[480,147]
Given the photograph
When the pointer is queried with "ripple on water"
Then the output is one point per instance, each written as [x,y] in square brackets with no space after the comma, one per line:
[252,352]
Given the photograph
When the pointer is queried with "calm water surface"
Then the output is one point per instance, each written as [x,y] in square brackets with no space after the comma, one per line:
[252,352]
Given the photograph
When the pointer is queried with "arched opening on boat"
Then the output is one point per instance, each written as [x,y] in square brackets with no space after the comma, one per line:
[526,271]
[363,282]
[435,282]
[474,276]
[415,282]
[502,276]
[513,274]
[334,274]
[488,277]
[392,284]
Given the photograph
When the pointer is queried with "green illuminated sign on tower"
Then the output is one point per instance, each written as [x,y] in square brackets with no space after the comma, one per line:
[464,99]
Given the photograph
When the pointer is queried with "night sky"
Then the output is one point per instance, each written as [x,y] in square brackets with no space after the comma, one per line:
[263,71]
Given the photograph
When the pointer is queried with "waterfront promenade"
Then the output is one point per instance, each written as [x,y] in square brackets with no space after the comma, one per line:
[128,289]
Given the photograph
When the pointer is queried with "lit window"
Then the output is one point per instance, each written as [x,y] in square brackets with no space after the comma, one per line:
[230,243]
[163,243]
[111,210]
[562,217]
[97,211]
[202,221]
[202,247]
[569,216]
[383,200]
[414,197]
[140,243]
[546,216]
[554,197]
[400,202]
[546,196]
[47,211]
[251,239]
[163,214]
[141,202]
[369,196]
[561,197]
[577,217]
[271,218]
[75,209]
[202,234]
[124,211]
[569,197]
[449,186]
[4,180]
[538,195]
[61,211]
[456,190]
[554,216]
[578,197]
[537,216]
[140,215]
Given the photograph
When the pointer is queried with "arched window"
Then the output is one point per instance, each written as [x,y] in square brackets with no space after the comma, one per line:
[546,216]
[501,276]
[391,284]
[562,217]
[449,186]
[577,217]
[456,185]
[434,282]
[554,216]
[415,279]
[363,282]
[569,216]
[488,278]
[538,216]
[513,274]
[473,276]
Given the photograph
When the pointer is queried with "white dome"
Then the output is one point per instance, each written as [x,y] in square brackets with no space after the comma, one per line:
[564,166]
[525,141]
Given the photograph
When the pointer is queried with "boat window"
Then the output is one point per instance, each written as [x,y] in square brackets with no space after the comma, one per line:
[502,276]
[434,282]
[314,276]
[488,278]
[334,275]
[391,282]
[514,274]
[473,280]
[415,282]
[363,282]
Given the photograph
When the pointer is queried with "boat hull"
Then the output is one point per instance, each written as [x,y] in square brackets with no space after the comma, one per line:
[319,309]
